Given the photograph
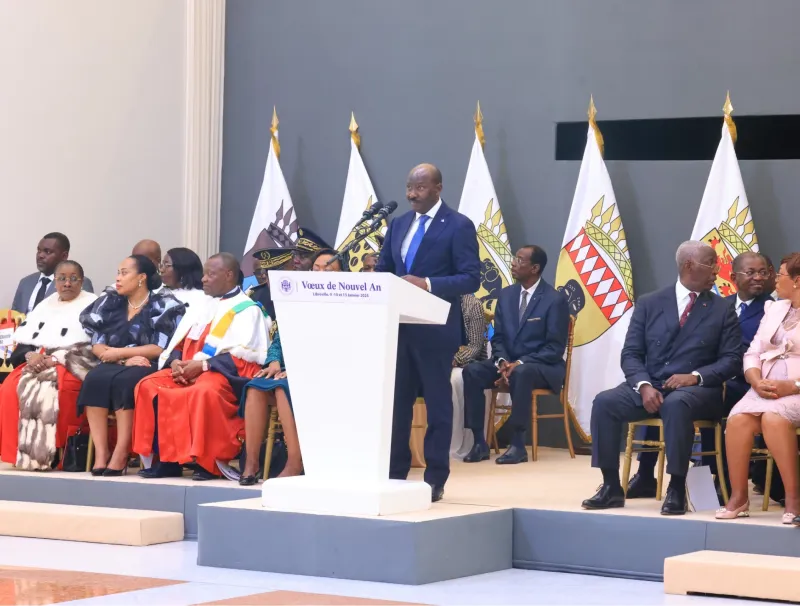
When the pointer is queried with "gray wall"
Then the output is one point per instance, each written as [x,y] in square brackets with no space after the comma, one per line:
[412,71]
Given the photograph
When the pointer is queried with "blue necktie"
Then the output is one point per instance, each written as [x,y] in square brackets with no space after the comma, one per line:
[415,242]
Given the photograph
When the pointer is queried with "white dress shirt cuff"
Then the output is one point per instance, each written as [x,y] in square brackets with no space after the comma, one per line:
[639,385]
[699,377]
[428,282]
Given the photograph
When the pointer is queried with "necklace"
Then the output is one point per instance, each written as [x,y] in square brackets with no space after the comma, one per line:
[132,306]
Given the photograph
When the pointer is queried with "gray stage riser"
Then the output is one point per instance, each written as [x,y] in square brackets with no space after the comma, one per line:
[124,495]
[633,546]
[409,553]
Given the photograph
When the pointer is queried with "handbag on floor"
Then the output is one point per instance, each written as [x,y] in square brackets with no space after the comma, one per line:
[75,451]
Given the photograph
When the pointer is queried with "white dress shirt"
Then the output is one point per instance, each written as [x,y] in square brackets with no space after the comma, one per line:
[36,289]
[739,303]
[682,294]
[406,244]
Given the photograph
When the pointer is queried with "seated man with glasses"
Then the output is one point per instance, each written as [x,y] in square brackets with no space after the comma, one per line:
[682,344]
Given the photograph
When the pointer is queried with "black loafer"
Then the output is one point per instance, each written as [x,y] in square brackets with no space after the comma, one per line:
[248,481]
[641,488]
[512,456]
[201,475]
[607,497]
[478,453]
[437,493]
[674,503]
[161,470]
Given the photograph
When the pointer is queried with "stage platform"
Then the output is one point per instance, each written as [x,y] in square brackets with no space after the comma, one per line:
[492,517]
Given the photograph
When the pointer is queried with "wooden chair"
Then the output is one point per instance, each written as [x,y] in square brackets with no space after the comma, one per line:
[494,408]
[634,446]
[761,454]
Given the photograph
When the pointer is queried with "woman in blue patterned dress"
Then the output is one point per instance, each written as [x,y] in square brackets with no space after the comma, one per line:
[269,387]
[129,327]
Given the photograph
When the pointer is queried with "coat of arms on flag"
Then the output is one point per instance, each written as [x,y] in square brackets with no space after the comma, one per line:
[724,220]
[594,273]
[274,223]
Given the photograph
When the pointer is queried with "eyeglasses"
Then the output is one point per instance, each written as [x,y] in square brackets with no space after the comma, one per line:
[762,273]
[780,273]
[71,279]
[714,267]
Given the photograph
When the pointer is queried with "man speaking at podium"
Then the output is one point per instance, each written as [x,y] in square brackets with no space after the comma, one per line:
[434,248]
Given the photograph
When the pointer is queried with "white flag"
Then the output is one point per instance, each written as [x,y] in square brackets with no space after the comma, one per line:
[274,223]
[724,220]
[359,195]
[594,272]
[479,202]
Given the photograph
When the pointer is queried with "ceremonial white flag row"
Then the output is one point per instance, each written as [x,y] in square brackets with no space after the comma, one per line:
[274,223]
[359,195]
[594,272]
[724,220]
[594,266]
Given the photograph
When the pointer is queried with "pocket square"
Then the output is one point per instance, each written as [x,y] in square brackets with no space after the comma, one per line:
[533,319]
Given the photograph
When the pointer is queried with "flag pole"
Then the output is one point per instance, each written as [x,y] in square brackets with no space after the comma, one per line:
[273,129]
[592,113]
[728,110]
[354,130]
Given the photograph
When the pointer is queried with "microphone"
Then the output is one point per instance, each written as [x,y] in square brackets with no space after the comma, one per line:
[370,212]
[380,216]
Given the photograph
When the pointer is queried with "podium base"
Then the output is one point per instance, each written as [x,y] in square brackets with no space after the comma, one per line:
[345,497]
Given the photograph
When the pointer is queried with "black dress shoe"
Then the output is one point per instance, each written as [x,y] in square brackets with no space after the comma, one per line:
[478,453]
[674,503]
[248,481]
[437,492]
[161,470]
[512,456]
[98,471]
[641,487]
[607,497]
[115,472]
[201,475]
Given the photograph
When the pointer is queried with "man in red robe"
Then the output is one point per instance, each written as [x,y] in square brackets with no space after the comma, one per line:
[186,414]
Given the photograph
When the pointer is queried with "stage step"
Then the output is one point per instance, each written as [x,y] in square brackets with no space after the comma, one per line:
[89,524]
[743,575]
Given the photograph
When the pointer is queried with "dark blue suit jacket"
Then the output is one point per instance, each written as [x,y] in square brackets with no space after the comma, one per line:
[656,347]
[448,256]
[540,338]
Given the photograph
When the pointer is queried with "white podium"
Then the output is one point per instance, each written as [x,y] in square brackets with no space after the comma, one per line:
[339,337]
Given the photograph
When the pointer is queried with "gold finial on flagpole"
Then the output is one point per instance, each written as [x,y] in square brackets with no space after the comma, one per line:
[592,113]
[273,129]
[478,118]
[728,110]
[354,130]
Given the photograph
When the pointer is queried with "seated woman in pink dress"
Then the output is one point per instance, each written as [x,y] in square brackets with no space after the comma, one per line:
[772,406]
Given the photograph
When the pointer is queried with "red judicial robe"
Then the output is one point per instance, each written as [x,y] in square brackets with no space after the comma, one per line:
[196,423]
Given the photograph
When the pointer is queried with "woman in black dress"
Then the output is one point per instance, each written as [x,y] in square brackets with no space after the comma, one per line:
[129,328]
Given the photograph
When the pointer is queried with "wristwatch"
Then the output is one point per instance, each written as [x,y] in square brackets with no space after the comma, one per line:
[797,385]
[205,365]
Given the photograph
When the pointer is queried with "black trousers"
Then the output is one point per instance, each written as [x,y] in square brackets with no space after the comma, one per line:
[615,407]
[479,376]
[425,371]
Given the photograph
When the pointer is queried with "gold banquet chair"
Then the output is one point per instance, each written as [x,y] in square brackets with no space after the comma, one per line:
[633,445]
[763,454]
[494,408]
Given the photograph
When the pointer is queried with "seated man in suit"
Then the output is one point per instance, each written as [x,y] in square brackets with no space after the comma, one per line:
[307,245]
[683,342]
[53,248]
[530,334]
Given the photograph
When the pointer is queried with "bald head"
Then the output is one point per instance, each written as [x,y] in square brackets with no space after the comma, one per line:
[150,249]
[423,187]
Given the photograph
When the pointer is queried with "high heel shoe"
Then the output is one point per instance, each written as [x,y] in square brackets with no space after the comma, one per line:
[115,472]
[724,513]
[98,471]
